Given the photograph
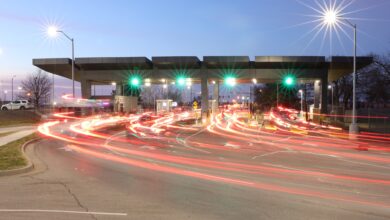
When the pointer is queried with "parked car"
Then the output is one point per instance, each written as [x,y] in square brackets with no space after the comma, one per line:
[17,105]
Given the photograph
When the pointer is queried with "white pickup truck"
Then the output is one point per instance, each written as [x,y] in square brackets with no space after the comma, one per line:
[17,105]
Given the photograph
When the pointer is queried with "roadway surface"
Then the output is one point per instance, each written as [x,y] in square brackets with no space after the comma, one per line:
[158,168]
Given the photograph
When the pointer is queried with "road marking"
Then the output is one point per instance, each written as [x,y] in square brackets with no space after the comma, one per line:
[112,137]
[286,167]
[63,211]
[282,139]
[369,164]
[148,147]
[66,148]
[232,146]
[318,154]
[271,153]
[309,144]
[184,142]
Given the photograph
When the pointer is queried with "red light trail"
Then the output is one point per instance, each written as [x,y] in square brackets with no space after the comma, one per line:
[164,133]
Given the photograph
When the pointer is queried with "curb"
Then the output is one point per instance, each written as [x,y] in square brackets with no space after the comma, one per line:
[28,168]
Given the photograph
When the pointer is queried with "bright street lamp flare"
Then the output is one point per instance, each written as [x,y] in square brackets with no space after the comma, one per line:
[52,31]
[330,17]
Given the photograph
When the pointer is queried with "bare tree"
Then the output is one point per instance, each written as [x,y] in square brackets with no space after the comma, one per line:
[383,65]
[38,87]
[372,84]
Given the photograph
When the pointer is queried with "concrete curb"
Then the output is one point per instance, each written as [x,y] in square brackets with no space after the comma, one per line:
[28,168]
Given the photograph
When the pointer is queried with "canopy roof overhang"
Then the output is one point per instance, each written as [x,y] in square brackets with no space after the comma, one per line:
[336,66]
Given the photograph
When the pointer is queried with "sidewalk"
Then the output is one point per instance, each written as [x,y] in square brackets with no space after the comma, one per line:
[20,132]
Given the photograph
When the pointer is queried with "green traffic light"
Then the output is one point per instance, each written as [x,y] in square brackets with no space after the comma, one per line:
[135,81]
[230,81]
[181,81]
[289,81]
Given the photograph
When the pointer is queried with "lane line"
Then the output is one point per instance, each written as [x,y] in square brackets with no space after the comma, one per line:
[184,142]
[63,211]
[111,138]
[274,152]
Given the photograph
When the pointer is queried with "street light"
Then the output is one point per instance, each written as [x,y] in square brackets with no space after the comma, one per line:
[301,92]
[331,88]
[331,18]
[254,81]
[5,95]
[19,90]
[188,82]
[12,88]
[52,32]
[148,82]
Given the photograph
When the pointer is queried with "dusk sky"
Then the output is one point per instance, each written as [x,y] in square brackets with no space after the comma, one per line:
[179,28]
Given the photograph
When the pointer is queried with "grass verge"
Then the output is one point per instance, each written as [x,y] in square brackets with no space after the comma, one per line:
[18,117]
[6,133]
[11,156]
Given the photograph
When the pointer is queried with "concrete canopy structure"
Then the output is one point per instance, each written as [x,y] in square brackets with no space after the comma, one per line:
[265,69]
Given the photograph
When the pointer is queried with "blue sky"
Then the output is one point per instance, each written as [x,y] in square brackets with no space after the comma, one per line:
[177,27]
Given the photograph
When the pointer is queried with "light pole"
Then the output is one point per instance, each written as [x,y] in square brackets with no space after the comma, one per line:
[19,89]
[301,92]
[353,128]
[277,94]
[52,31]
[252,99]
[331,18]
[331,88]
[5,95]
[12,88]
[53,88]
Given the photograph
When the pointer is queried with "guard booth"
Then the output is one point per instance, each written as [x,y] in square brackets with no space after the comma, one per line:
[125,104]
[213,107]
[163,105]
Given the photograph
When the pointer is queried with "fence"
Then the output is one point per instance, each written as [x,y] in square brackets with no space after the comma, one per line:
[369,119]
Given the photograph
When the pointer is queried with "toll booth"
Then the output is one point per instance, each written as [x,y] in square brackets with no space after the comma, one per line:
[163,105]
[125,104]
[213,107]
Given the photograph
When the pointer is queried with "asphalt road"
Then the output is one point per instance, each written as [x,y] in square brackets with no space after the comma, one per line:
[199,174]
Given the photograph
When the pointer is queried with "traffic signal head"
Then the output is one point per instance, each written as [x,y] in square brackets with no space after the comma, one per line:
[230,81]
[289,81]
[181,81]
[135,81]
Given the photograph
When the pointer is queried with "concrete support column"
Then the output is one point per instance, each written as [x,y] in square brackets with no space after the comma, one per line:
[216,95]
[317,94]
[118,89]
[324,95]
[205,97]
[86,89]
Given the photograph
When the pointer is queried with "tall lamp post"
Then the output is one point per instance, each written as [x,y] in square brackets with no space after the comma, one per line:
[331,18]
[5,95]
[52,31]
[331,88]
[12,88]
[301,93]
[277,94]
